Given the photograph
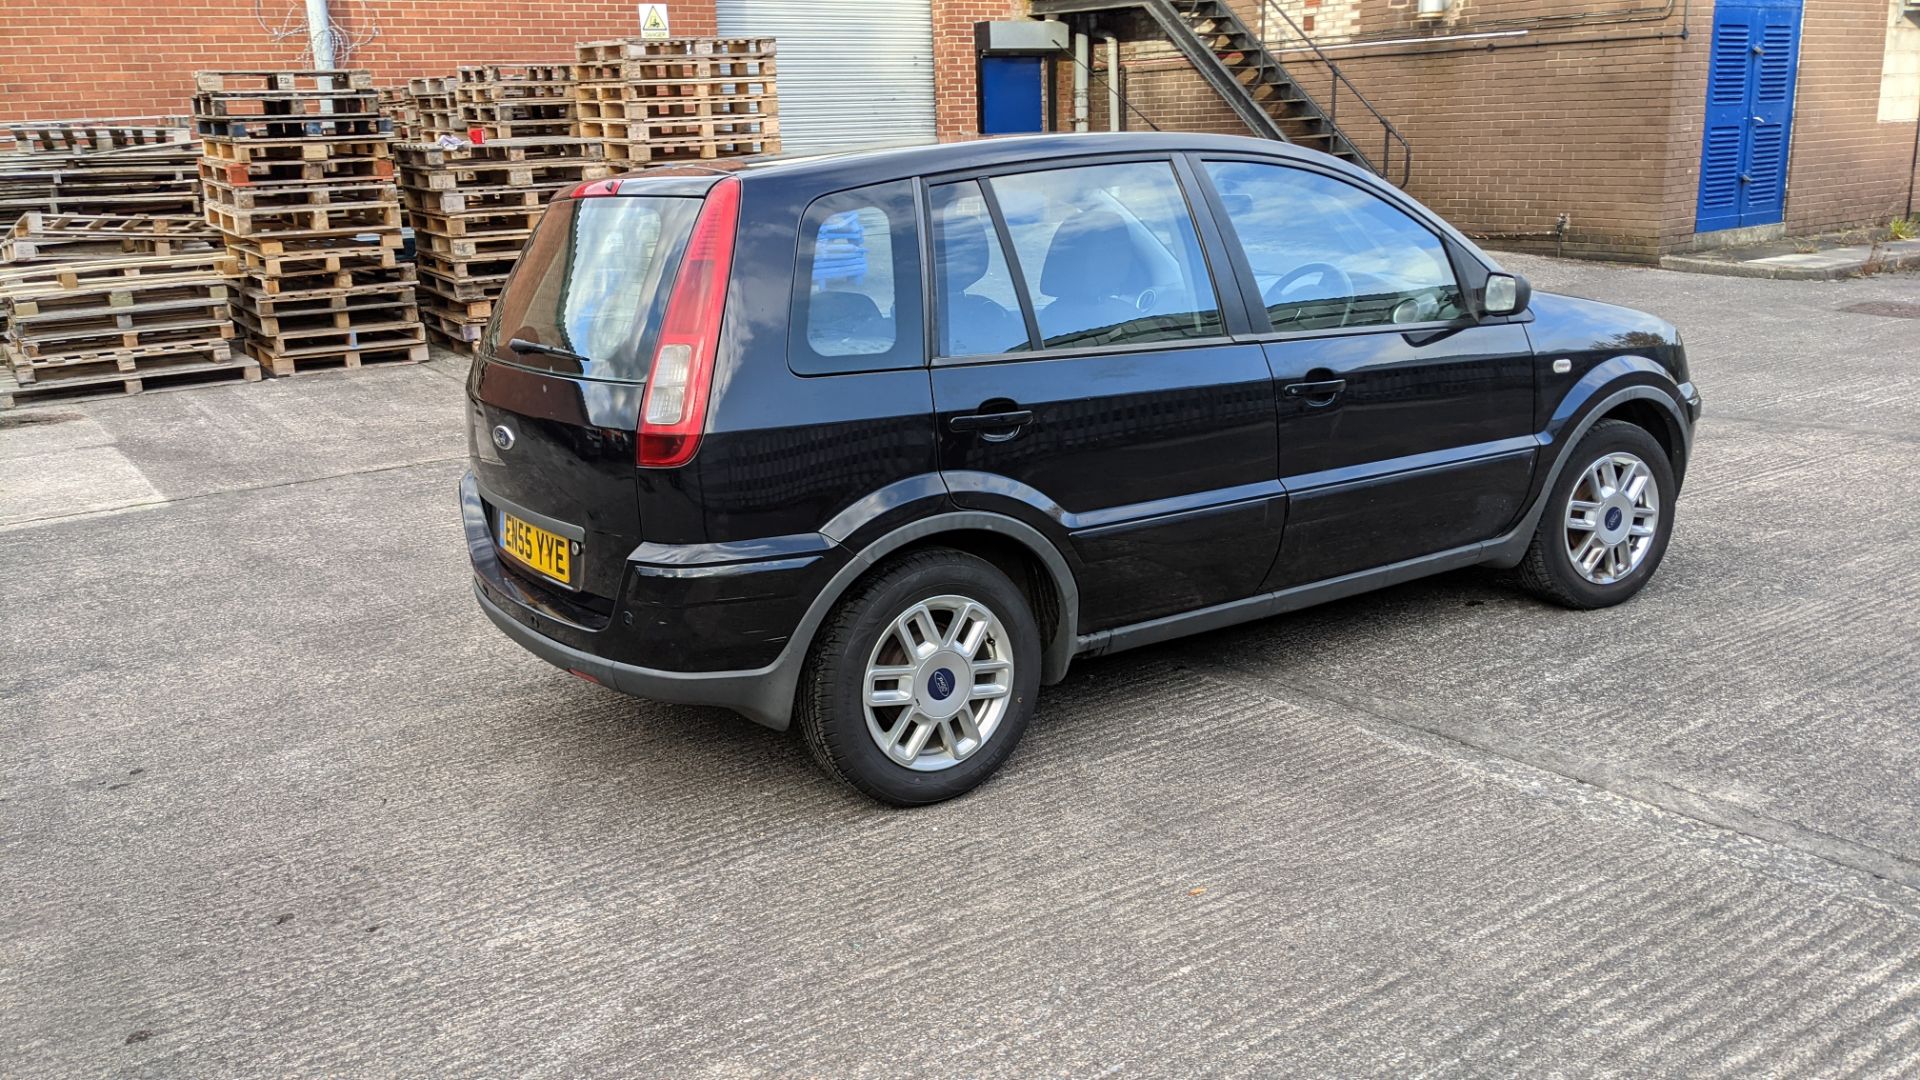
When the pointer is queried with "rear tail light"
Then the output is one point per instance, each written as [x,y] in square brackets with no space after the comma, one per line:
[673,414]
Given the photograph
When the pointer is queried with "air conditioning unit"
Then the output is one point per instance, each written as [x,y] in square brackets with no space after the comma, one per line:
[1437,9]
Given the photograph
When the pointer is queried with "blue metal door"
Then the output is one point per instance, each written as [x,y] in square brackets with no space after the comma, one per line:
[1743,156]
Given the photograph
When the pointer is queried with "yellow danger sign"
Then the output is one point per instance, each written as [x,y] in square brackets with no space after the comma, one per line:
[653,21]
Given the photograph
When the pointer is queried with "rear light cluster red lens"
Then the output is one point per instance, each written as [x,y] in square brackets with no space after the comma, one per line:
[673,414]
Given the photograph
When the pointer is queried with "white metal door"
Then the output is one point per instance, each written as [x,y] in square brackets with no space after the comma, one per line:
[851,72]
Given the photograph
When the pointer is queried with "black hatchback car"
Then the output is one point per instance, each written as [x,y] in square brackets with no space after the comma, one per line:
[879,443]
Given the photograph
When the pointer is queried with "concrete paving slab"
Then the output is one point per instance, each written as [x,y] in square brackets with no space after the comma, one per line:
[275,799]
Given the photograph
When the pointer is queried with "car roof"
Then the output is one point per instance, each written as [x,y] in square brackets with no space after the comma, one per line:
[834,166]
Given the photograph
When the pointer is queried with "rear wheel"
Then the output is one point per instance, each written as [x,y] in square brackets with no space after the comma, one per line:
[923,679]
[1607,520]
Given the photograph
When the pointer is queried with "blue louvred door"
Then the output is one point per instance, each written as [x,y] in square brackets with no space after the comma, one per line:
[1749,121]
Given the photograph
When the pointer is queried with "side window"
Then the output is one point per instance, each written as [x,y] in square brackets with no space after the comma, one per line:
[857,297]
[1327,254]
[1108,254]
[975,307]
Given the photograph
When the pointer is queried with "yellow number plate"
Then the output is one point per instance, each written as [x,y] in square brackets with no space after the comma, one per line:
[544,551]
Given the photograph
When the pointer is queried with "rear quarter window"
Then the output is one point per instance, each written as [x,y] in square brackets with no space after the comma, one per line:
[856,302]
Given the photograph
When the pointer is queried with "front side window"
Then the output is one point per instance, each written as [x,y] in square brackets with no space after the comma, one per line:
[1327,254]
[1108,254]
[857,301]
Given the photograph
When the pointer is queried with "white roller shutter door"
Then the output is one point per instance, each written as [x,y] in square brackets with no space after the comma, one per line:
[851,72]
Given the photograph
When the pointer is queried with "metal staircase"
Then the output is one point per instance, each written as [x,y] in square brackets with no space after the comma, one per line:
[1248,74]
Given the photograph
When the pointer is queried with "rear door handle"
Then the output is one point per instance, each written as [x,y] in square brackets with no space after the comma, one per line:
[1325,389]
[991,421]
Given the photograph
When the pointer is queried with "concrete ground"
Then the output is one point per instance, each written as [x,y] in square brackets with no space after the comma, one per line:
[276,799]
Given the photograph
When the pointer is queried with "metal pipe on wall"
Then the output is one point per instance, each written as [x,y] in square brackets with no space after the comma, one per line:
[1114,115]
[1082,57]
[320,34]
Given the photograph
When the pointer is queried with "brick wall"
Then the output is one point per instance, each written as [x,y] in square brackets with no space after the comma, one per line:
[95,58]
[1848,168]
[957,102]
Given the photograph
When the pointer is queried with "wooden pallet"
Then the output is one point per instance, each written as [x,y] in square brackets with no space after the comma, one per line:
[592,52]
[310,80]
[327,194]
[657,151]
[481,222]
[341,127]
[39,234]
[619,101]
[206,348]
[422,200]
[284,223]
[301,171]
[83,346]
[284,265]
[72,136]
[683,131]
[372,318]
[297,361]
[38,283]
[262,151]
[457,270]
[157,375]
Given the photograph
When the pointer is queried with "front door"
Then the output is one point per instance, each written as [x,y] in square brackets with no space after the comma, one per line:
[1405,428]
[1743,156]
[1085,380]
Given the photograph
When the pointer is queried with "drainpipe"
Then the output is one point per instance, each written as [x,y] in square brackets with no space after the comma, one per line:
[1114,115]
[1081,58]
[320,34]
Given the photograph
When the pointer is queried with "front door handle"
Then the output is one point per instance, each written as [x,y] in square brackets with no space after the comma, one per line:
[1316,393]
[992,421]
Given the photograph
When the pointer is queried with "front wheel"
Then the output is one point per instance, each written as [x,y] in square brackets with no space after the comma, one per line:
[1607,520]
[923,680]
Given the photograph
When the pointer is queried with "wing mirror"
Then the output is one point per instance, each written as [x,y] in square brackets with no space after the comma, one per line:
[1505,294]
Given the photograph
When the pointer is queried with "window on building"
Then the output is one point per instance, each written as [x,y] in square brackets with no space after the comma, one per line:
[1328,254]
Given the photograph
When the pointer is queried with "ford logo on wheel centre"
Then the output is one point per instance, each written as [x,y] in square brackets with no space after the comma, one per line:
[940,684]
[503,437]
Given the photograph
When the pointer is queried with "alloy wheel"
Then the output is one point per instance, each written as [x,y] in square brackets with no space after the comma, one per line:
[1612,515]
[938,683]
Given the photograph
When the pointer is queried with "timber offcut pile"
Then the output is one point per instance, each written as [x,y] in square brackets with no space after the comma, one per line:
[678,99]
[472,207]
[298,179]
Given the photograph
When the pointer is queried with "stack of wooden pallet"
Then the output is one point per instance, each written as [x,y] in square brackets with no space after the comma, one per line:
[678,99]
[298,178]
[437,106]
[515,101]
[472,207]
[398,106]
[40,236]
[97,167]
[117,326]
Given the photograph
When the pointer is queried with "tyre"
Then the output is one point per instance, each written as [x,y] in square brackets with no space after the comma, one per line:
[922,680]
[1607,520]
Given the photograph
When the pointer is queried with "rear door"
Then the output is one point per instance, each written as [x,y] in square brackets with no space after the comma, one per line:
[554,397]
[1085,378]
[1405,426]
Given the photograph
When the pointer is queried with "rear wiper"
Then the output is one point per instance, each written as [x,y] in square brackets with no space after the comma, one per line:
[523,345]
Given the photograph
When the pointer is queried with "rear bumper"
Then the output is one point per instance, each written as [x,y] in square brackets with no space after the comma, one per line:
[698,625]
[764,696]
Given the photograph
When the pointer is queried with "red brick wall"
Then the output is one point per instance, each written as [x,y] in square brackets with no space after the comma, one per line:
[96,58]
[957,101]
[1848,168]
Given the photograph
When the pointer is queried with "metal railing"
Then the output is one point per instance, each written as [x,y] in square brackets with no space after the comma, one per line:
[1297,40]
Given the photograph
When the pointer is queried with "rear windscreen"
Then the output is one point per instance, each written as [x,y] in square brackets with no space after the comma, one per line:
[592,286]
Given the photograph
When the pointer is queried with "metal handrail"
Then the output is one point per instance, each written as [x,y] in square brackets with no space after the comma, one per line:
[1389,136]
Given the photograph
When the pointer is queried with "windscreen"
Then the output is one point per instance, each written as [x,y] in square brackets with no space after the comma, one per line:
[591,287]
